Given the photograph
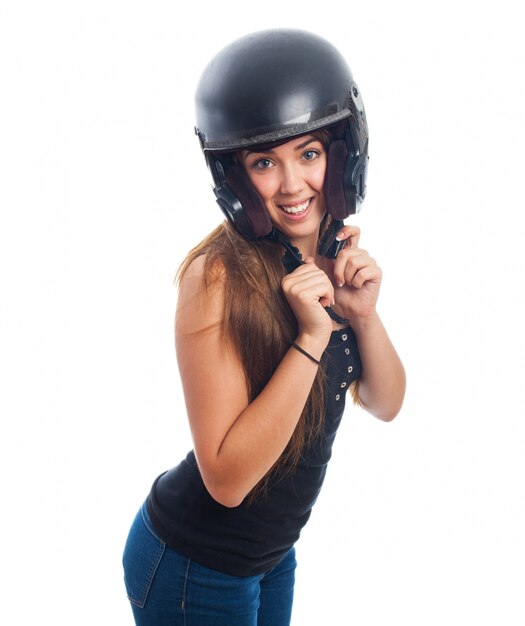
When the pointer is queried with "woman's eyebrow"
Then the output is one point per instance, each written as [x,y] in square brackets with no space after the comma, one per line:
[260,151]
[303,145]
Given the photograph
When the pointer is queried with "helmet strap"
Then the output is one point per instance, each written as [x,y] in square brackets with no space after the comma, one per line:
[329,247]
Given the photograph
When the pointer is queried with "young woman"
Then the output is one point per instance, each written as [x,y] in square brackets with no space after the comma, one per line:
[276,321]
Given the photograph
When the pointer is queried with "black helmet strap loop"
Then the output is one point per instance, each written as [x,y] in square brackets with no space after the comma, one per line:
[329,247]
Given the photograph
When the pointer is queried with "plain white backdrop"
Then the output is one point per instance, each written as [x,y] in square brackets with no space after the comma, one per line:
[102,192]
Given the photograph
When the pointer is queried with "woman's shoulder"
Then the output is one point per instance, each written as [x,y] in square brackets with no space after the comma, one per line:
[204,269]
[200,302]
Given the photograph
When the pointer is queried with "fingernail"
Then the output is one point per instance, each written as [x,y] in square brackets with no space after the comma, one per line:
[337,238]
[339,283]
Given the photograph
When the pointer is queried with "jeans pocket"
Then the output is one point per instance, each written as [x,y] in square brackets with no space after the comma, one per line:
[142,555]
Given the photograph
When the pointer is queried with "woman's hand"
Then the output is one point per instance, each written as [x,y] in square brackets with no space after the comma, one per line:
[308,290]
[356,275]
[382,384]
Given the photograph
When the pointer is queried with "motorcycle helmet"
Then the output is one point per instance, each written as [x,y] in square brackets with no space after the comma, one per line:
[264,89]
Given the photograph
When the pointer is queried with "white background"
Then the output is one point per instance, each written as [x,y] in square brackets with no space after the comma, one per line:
[102,192]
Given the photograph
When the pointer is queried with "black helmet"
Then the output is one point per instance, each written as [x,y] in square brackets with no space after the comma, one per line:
[266,88]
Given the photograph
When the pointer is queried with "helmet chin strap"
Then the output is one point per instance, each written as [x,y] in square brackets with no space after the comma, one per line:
[293,259]
[328,245]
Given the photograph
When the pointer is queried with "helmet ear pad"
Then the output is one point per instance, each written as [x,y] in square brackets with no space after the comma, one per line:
[252,204]
[333,187]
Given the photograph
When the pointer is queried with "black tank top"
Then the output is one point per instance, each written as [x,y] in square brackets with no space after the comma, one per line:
[253,537]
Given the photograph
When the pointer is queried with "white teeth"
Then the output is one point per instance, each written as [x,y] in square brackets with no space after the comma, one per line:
[298,208]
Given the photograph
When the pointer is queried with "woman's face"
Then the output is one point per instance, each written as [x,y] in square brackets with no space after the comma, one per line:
[289,179]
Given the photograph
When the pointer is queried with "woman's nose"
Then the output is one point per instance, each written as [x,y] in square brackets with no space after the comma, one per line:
[291,179]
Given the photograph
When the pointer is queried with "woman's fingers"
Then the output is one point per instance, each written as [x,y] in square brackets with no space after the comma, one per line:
[350,234]
[349,266]
[368,273]
[306,288]
[309,282]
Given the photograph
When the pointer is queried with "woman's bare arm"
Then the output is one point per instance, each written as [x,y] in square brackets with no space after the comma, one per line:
[358,278]
[237,442]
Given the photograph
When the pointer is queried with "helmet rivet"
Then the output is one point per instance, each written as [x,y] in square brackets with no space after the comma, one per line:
[355,92]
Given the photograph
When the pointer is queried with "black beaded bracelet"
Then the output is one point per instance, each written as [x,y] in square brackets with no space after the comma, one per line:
[294,345]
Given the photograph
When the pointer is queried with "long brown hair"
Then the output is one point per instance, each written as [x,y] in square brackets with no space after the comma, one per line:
[259,323]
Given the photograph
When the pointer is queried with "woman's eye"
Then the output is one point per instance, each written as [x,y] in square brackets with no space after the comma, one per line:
[262,164]
[309,155]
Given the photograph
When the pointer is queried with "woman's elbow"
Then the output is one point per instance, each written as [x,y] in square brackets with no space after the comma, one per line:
[224,494]
[385,405]
[384,412]
[387,416]
[226,497]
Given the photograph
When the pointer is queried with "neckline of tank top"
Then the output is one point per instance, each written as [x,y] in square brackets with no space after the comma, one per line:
[342,330]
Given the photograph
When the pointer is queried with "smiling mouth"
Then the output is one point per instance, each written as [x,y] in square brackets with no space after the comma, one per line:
[295,209]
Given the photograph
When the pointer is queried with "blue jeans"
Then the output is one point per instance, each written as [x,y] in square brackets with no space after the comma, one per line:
[166,588]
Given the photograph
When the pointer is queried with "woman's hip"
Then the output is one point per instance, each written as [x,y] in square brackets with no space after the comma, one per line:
[166,587]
